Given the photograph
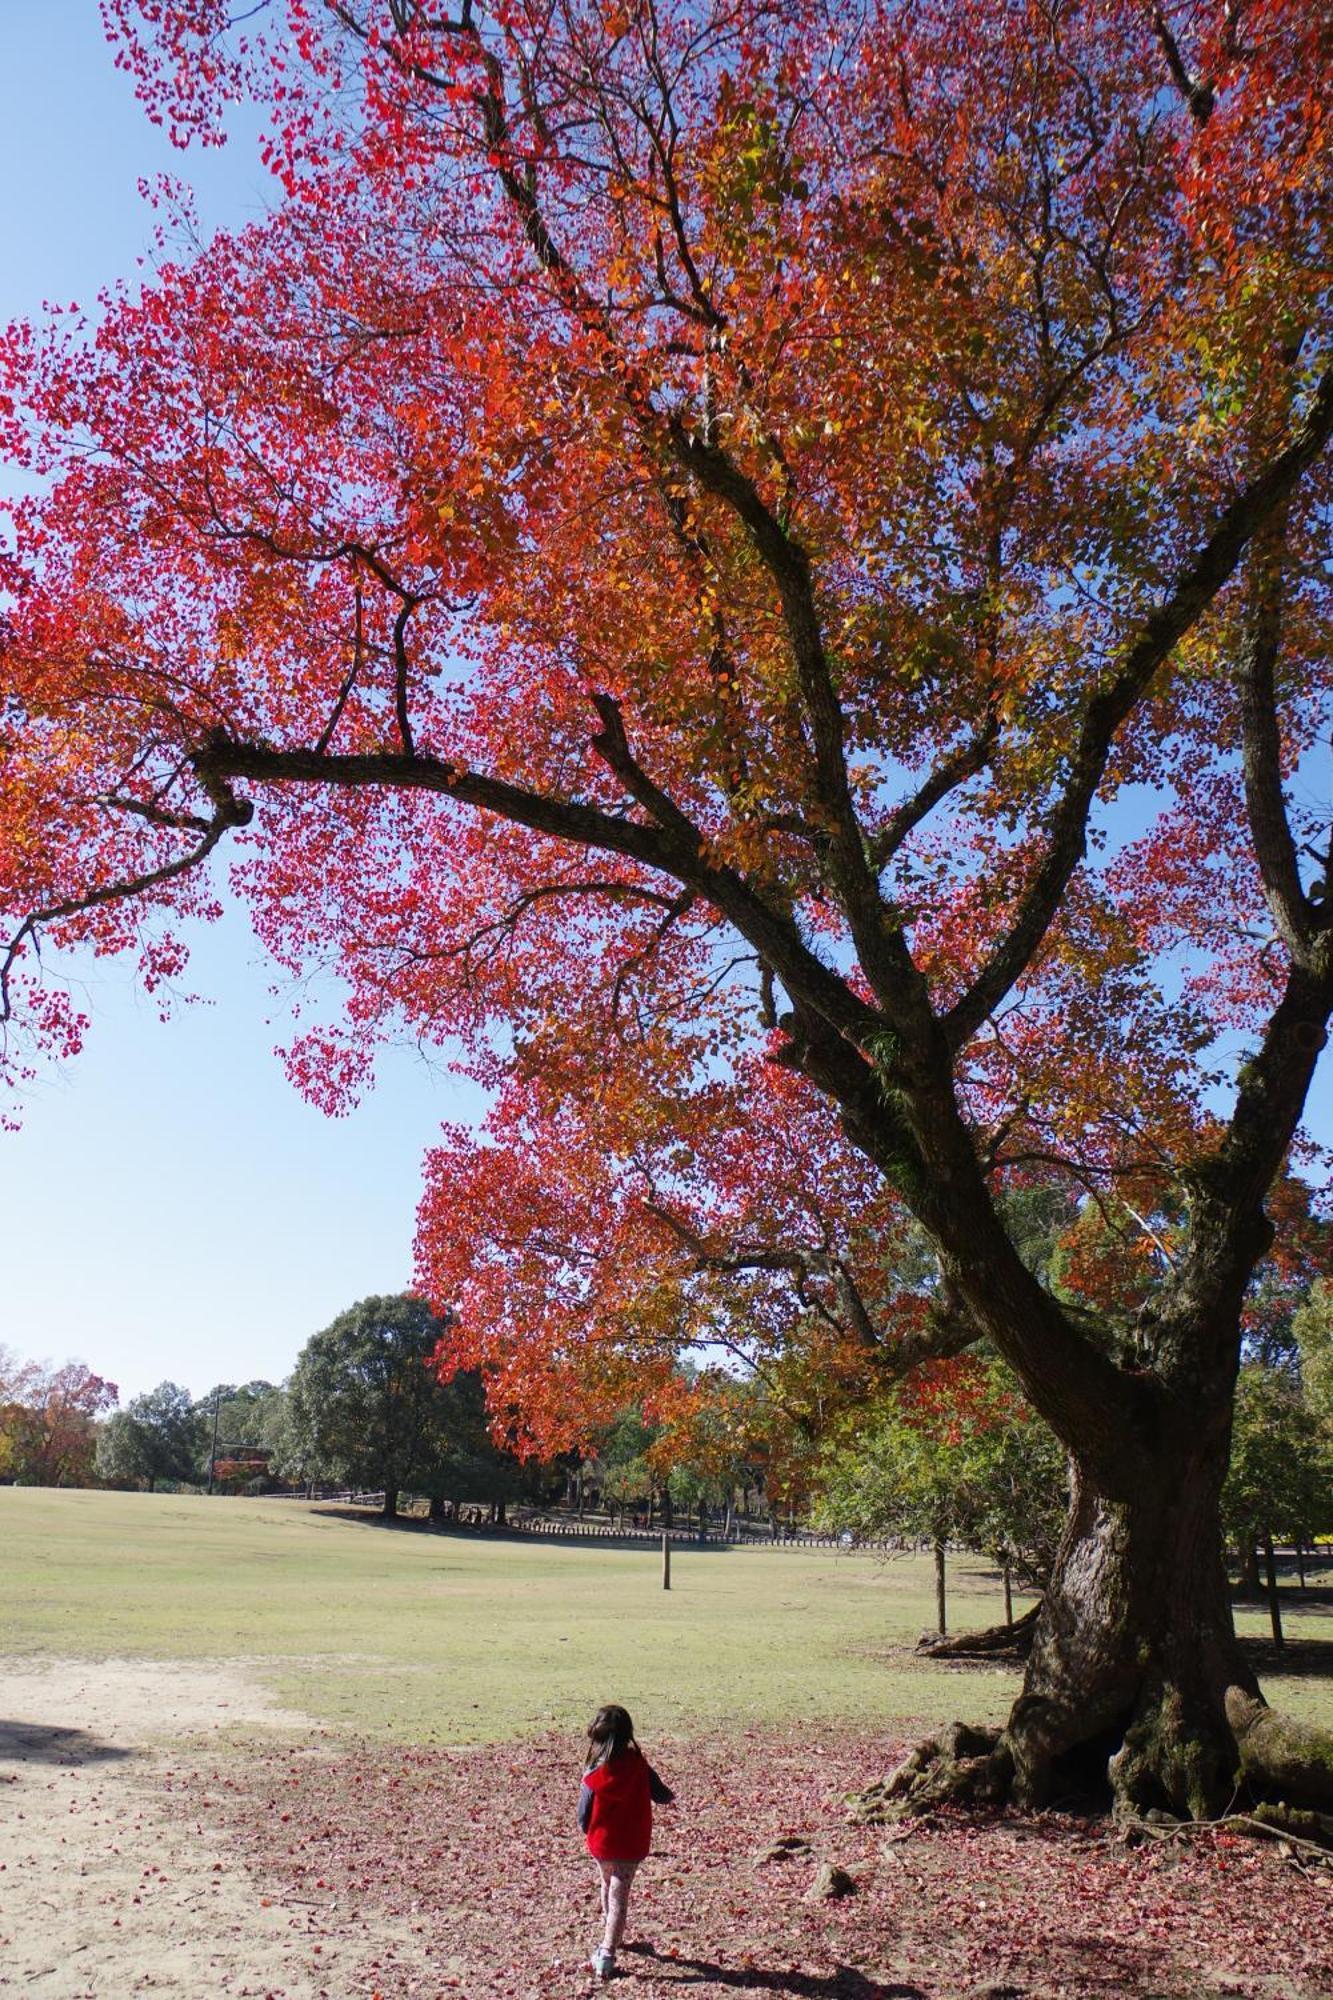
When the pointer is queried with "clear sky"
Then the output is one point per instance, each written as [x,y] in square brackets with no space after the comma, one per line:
[170,1207]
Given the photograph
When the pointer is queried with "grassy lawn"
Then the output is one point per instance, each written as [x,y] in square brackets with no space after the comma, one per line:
[451,1638]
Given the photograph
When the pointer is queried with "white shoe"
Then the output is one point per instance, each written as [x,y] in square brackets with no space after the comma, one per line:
[603,1963]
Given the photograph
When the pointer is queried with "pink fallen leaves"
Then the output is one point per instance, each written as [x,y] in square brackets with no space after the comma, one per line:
[479,1849]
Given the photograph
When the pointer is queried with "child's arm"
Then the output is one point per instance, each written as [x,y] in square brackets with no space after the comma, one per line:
[660,1794]
[585,1807]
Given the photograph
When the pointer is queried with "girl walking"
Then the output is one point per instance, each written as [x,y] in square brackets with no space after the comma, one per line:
[620,1789]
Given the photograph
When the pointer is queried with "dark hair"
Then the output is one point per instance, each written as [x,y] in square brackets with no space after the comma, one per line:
[610,1731]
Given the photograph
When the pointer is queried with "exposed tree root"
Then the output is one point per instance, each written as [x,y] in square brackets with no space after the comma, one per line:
[1165,1770]
[960,1766]
[995,1641]
[1281,1759]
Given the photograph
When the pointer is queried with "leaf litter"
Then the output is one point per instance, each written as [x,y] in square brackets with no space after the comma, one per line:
[475,1854]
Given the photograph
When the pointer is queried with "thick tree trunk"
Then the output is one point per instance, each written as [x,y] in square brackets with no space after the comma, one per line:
[389,1511]
[1133,1653]
[1135,1649]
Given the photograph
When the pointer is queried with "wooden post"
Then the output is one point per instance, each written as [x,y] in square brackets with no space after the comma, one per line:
[666,1560]
[1008,1595]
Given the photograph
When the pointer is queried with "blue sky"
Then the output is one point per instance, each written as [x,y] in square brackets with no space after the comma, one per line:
[170,1206]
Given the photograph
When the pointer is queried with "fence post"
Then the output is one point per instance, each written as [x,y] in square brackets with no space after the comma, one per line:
[666,1560]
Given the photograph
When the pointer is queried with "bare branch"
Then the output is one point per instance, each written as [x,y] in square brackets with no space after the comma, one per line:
[1198,95]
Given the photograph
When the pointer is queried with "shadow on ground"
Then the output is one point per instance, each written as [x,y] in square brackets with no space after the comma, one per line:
[45,1743]
[645,1541]
[843,1983]
[1299,1659]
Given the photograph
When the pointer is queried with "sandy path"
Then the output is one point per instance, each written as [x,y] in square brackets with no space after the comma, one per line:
[108,1890]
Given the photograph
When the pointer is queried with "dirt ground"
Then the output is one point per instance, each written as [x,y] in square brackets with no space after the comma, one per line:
[106,1891]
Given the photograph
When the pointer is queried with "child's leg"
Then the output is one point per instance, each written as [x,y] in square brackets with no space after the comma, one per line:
[603,1877]
[618,1879]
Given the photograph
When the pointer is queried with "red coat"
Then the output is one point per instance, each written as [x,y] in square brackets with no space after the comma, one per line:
[616,1809]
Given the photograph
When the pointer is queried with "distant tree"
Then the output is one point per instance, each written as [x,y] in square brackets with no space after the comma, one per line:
[364,1405]
[48,1420]
[239,1414]
[159,1435]
[1313,1331]
[1280,1485]
[981,1471]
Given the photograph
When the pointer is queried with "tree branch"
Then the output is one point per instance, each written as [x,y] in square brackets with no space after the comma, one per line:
[1275,850]
[228,812]
[1194,590]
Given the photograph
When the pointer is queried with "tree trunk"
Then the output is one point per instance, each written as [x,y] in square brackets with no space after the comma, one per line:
[1249,1570]
[941,1622]
[436,1510]
[1274,1603]
[1132,1656]
[1135,1649]
[389,1511]
[1008,1595]
[1300,1562]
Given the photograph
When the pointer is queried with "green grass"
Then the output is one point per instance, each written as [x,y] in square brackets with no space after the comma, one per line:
[427,1637]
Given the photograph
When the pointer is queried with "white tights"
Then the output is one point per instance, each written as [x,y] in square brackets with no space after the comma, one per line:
[616,1878]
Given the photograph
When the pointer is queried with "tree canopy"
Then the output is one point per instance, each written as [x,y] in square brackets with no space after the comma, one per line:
[159,1435]
[672,562]
[365,1405]
[48,1418]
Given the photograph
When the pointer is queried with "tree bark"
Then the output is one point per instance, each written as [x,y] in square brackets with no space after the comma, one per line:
[1013,1637]
[389,1511]
[941,1621]
[1133,1654]
[1135,1648]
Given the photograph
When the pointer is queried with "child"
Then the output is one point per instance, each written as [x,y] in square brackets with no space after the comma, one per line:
[620,1788]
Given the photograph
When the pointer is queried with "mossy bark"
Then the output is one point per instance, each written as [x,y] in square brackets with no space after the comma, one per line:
[1134,1663]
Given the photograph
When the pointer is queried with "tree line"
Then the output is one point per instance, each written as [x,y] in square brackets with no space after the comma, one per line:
[971,1466]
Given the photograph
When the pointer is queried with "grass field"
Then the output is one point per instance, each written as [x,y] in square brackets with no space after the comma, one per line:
[452,1638]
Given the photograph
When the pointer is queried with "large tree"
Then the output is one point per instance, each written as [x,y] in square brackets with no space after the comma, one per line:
[158,1435]
[675,556]
[364,1404]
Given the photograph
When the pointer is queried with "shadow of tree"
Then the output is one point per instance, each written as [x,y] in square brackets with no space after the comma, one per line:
[843,1983]
[1299,1659]
[644,1542]
[48,1743]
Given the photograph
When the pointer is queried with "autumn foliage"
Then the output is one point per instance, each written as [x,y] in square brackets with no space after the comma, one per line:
[757,576]
[47,1419]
